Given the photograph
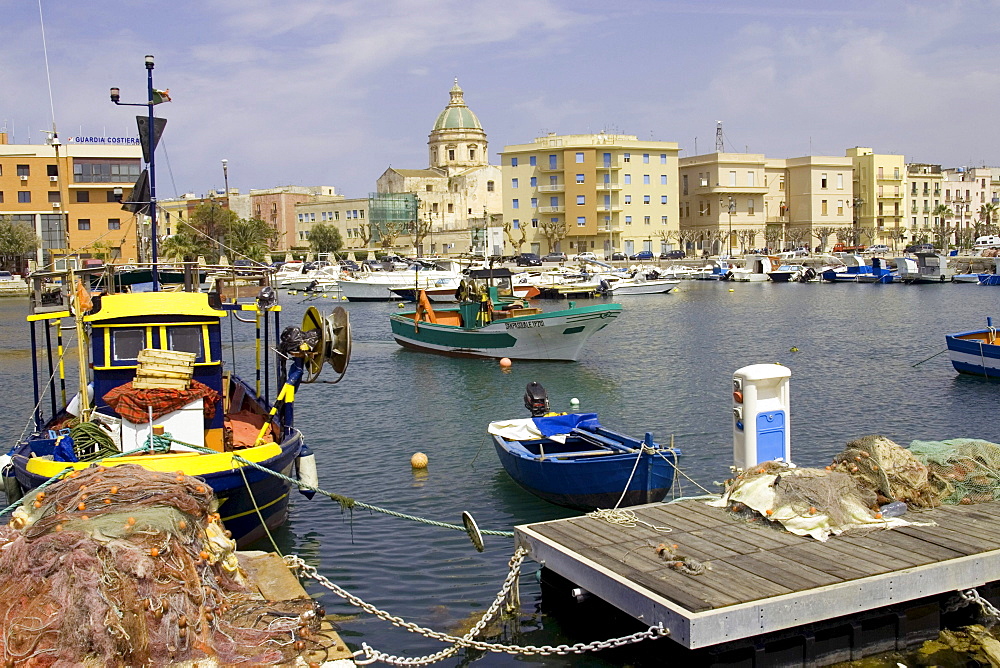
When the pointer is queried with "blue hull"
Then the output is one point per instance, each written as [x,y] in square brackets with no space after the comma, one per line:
[586,482]
[237,496]
[971,353]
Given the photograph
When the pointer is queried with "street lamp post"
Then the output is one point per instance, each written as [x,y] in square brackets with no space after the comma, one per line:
[732,209]
[116,98]
[225,178]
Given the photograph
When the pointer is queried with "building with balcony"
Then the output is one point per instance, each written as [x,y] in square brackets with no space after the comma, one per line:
[595,192]
[734,202]
[923,197]
[879,202]
[71,196]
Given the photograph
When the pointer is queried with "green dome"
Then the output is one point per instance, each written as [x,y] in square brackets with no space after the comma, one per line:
[457,116]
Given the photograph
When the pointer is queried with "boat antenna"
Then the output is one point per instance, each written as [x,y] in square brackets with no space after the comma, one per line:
[48,75]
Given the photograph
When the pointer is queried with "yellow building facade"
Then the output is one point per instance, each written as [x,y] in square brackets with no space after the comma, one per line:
[597,192]
[71,195]
[879,196]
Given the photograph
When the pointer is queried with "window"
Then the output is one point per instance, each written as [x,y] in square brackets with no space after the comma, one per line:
[663,199]
[187,339]
[781,182]
[534,222]
[880,174]
[607,160]
[472,154]
[429,188]
[840,207]
[732,177]
[114,223]
[663,158]
[663,220]
[751,179]
[23,170]
[823,207]
[24,197]
[554,201]
[684,184]
[513,183]
[1,197]
[822,181]
[895,173]
[534,202]
[628,179]
[52,170]
[645,199]
[645,179]
[451,154]
[750,207]
[579,178]
[532,160]
[628,220]
[663,179]
[645,158]
[534,182]
[54,196]
[645,220]
[553,161]
[579,157]
[628,199]
[581,199]
[516,223]
[514,204]
[451,207]
[513,162]
[83,224]
[94,170]
[126,343]
[489,187]
[581,221]
[840,181]
[627,157]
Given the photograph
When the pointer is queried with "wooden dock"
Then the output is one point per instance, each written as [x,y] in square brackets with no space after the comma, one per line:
[762,580]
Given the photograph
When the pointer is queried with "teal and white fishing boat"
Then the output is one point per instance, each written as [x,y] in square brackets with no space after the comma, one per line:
[484,324]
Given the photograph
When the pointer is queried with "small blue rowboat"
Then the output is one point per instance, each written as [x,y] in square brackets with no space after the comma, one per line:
[571,460]
[976,352]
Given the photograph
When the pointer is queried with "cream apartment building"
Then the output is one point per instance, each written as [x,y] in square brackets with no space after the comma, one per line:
[879,196]
[593,192]
[736,202]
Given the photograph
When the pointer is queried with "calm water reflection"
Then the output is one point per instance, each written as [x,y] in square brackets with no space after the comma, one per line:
[664,366]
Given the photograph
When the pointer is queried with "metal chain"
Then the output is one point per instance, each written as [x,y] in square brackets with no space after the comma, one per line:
[970,596]
[367,654]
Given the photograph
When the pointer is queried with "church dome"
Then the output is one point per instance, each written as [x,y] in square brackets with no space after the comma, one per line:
[457,116]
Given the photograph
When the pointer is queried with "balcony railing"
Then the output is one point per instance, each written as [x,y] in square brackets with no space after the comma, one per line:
[608,185]
[551,209]
[609,207]
[608,165]
[552,188]
[549,168]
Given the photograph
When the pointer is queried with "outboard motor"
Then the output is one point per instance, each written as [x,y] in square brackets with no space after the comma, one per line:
[536,400]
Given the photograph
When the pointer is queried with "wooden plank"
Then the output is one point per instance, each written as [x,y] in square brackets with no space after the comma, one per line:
[914,547]
[876,562]
[891,555]
[701,512]
[947,538]
[744,540]
[823,558]
[701,548]
[679,595]
[669,516]
[782,571]
[749,585]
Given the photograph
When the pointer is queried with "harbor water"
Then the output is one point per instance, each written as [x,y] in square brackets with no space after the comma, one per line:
[664,366]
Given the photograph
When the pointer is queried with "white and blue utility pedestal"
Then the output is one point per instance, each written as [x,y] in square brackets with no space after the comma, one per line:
[760,415]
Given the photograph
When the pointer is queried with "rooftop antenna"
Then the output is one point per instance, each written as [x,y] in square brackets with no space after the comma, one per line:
[53,138]
[719,145]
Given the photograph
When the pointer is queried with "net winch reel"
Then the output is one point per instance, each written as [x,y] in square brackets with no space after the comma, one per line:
[333,345]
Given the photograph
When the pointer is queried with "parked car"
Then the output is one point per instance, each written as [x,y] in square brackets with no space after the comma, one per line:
[528,260]
[586,255]
[555,257]
[349,265]
[673,255]
[919,248]
[877,248]
[642,255]
[617,255]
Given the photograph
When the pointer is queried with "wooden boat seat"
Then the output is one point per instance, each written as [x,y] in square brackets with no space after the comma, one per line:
[599,439]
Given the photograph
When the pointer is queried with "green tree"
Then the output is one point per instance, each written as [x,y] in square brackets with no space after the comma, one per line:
[250,238]
[188,244]
[325,238]
[16,241]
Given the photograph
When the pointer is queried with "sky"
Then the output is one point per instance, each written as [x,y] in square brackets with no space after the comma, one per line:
[333,92]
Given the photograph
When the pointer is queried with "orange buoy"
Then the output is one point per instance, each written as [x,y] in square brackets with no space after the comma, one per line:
[505,362]
[418,460]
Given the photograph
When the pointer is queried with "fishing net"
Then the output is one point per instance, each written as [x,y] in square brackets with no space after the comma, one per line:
[890,470]
[962,470]
[804,501]
[121,566]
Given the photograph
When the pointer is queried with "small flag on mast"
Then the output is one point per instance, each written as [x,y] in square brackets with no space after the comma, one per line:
[161,96]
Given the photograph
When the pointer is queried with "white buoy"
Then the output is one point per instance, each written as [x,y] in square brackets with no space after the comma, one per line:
[307,472]
[574,402]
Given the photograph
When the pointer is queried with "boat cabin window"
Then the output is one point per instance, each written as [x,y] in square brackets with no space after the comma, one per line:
[186,339]
[126,343]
